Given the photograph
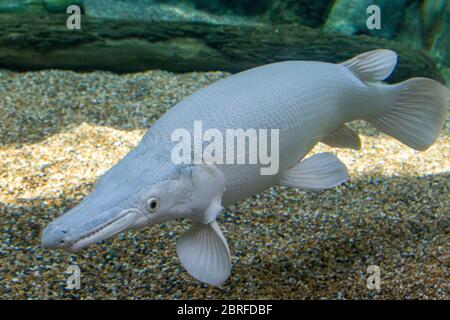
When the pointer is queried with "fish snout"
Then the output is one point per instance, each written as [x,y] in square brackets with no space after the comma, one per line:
[71,233]
[54,236]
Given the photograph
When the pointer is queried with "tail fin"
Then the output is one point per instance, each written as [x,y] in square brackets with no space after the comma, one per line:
[418,106]
[418,112]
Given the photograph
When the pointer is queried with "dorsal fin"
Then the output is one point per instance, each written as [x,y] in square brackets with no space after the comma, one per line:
[372,66]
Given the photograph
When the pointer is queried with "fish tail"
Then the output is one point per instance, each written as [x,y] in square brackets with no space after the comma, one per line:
[417,112]
[413,111]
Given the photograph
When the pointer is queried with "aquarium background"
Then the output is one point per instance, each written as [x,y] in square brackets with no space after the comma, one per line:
[74,102]
[202,32]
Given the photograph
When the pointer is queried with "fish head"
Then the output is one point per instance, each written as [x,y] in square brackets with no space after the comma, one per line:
[135,193]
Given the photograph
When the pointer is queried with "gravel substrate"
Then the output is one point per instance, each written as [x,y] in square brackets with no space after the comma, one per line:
[60,130]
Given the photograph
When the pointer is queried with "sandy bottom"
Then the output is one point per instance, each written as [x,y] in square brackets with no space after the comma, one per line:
[59,131]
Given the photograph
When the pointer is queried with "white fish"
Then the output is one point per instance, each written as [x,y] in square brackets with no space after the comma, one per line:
[307,101]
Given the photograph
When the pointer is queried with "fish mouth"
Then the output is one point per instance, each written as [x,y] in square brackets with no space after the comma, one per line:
[102,232]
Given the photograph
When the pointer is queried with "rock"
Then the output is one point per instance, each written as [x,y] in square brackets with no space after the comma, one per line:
[60,6]
[25,6]
[433,12]
[309,13]
[37,6]
[305,12]
[425,27]
[350,17]
[411,30]
[149,11]
[440,45]
[446,74]
[220,7]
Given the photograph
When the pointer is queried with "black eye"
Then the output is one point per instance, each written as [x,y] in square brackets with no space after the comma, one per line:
[152,204]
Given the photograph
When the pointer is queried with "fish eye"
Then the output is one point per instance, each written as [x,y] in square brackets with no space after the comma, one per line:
[152,204]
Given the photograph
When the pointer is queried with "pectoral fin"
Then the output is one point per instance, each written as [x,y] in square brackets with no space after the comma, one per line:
[321,171]
[204,253]
[344,137]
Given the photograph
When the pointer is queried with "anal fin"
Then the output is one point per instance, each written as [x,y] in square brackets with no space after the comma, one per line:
[318,172]
[344,137]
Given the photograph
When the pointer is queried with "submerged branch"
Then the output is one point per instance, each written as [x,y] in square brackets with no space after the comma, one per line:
[29,42]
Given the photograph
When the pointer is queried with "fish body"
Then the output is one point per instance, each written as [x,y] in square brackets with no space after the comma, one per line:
[305,100]
[299,103]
